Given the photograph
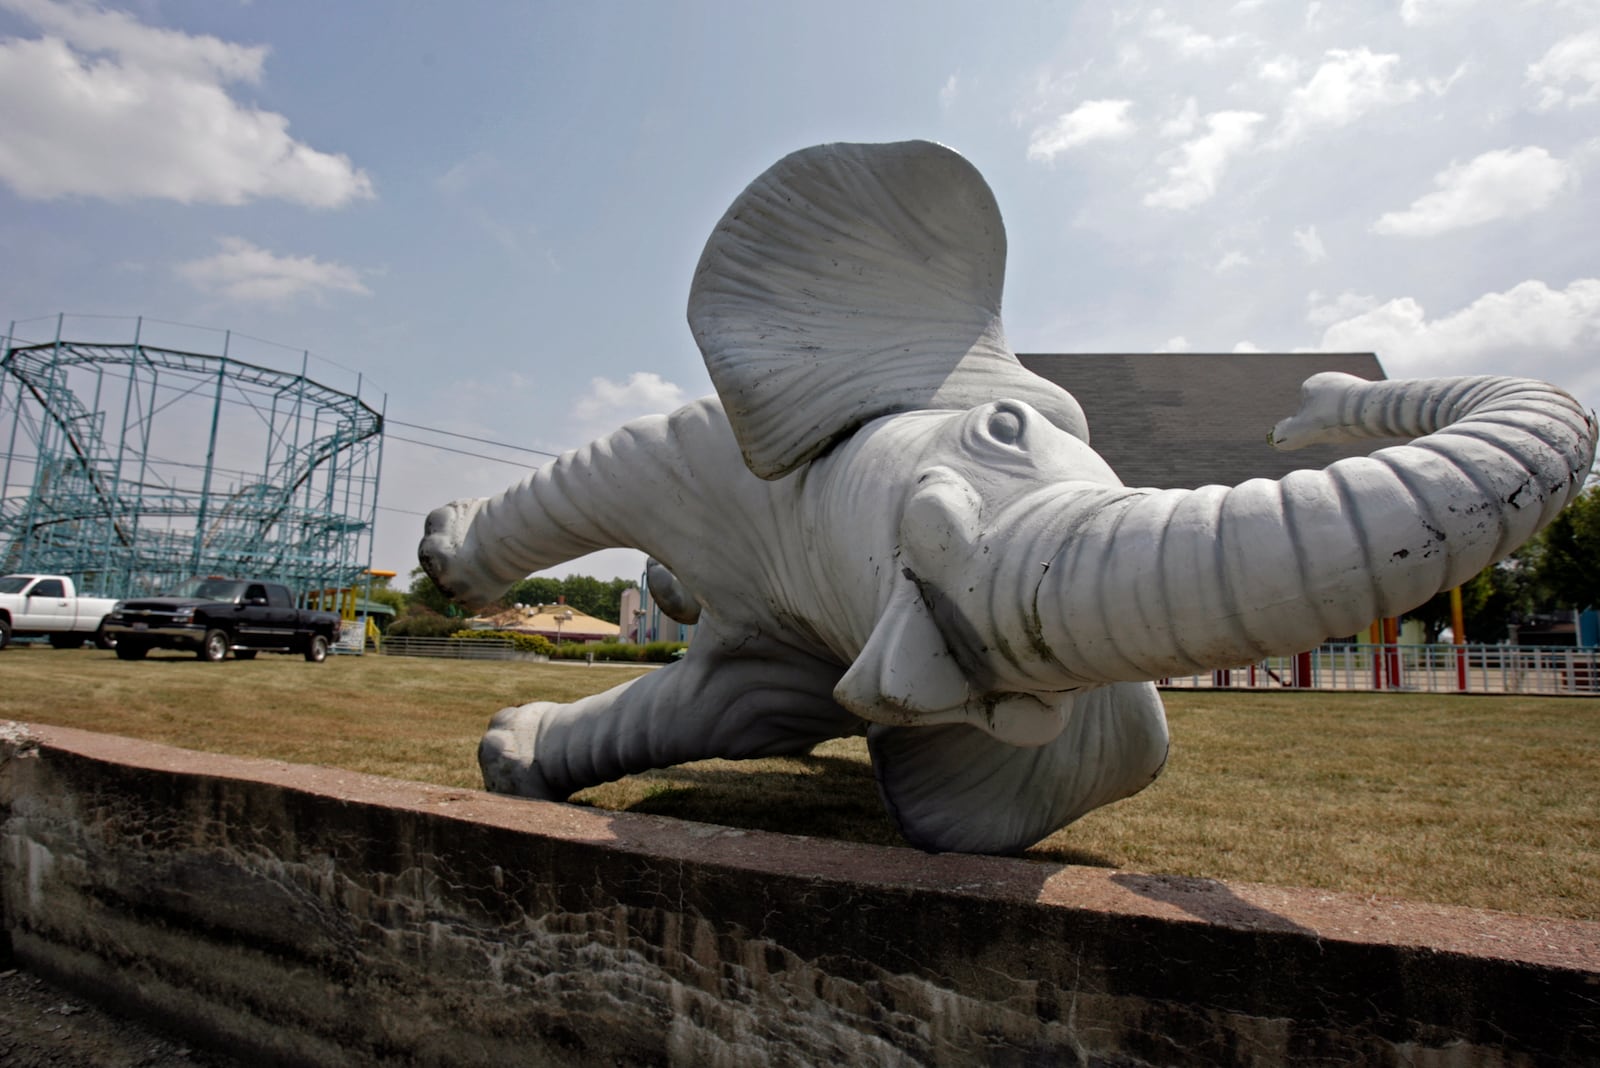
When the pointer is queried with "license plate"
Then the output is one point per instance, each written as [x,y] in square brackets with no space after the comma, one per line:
[140,626]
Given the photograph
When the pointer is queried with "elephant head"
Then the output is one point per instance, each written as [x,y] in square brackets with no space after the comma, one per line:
[853,285]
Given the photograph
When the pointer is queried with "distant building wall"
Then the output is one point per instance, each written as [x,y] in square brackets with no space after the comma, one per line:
[631,615]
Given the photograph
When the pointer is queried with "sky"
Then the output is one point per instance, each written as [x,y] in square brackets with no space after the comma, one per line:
[486,215]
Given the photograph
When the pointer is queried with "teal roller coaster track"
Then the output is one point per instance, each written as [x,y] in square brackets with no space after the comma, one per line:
[131,466]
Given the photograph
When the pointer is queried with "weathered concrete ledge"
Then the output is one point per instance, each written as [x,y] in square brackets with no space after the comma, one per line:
[305,915]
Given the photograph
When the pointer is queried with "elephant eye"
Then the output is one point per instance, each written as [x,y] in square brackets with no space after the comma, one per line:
[1005,426]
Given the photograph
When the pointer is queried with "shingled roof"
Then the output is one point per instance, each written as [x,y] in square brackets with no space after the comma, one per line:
[1181,420]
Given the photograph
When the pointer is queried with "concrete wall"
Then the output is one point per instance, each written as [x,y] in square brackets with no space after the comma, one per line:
[307,915]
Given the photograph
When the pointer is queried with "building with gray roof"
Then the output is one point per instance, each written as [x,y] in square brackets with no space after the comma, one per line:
[1181,420]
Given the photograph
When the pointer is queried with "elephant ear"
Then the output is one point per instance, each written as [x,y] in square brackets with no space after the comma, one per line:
[852,281]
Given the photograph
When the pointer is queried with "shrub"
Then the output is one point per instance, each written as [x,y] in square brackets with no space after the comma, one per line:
[422,622]
[627,652]
[523,643]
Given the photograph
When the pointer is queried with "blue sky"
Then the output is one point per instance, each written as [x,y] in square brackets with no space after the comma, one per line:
[490,211]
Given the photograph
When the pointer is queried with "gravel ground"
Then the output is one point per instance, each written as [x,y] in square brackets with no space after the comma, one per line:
[42,1025]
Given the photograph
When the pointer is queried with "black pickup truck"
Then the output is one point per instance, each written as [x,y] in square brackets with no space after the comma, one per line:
[216,616]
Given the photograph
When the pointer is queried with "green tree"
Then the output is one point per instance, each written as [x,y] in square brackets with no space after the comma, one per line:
[596,597]
[391,597]
[536,589]
[1566,556]
[613,598]
[586,594]
[1493,599]
[427,595]
[380,590]
[419,621]
[1434,615]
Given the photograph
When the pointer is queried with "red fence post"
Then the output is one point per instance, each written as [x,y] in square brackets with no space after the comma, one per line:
[1391,653]
[1375,636]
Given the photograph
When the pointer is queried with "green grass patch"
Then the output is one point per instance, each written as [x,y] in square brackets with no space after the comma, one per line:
[1483,801]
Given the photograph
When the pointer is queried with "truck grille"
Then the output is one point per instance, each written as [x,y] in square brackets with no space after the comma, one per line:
[153,617]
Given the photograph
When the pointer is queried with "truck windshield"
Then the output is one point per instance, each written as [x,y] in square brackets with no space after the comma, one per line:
[210,589]
[14,583]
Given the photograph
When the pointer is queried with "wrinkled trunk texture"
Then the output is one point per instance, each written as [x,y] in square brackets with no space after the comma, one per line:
[1142,584]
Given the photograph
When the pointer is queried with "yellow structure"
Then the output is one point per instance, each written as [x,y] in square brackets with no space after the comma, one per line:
[558,622]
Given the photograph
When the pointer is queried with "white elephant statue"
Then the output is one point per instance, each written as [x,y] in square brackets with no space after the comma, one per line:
[884,523]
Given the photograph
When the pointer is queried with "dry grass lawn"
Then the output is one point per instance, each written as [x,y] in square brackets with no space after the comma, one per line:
[1485,801]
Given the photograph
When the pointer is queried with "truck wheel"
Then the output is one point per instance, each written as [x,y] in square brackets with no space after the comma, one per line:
[130,650]
[5,632]
[65,641]
[215,646]
[317,651]
[104,640]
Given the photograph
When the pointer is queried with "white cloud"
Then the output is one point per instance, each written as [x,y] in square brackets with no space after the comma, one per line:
[1424,12]
[1248,346]
[1546,332]
[950,91]
[1441,86]
[1175,344]
[243,271]
[1231,261]
[1197,166]
[1309,242]
[609,404]
[94,30]
[1324,313]
[103,106]
[1184,122]
[1185,40]
[1093,120]
[1348,85]
[1502,184]
[1572,59]
[1280,70]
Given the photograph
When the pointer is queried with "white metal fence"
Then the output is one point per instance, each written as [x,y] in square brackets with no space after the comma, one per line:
[456,648]
[1525,669]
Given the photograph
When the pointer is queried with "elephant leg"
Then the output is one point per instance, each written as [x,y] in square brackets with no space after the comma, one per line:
[770,701]
[955,788]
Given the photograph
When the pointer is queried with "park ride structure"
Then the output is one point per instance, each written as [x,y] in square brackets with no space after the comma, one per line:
[131,458]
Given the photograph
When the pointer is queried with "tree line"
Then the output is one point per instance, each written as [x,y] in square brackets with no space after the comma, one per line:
[1556,573]
[424,610]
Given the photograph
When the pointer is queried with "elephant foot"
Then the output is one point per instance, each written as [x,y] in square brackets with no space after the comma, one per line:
[447,558]
[506,754]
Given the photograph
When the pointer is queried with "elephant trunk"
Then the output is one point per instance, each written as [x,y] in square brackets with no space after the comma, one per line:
[1143,584]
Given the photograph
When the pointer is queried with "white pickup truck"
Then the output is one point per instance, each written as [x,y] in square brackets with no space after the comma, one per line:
[49,605]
